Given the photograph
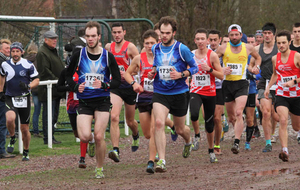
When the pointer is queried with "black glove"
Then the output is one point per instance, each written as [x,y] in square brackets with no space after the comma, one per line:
[2,96]
[23,86]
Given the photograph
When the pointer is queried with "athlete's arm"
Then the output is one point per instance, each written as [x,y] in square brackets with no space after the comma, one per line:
[217,69]
[221,49]
[34,83]
[2,82]
[257,58]
[132,51]
[107,46]
[115,73]
[273,78]
[61,84]
[297,64]
[71,70]
[134,66]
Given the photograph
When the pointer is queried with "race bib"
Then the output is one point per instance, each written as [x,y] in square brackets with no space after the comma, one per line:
[164,72]
[273,87]
[121,67]
[236,69]
[148,85]
[90,77]
[287,79]
[19,102]
[201,80]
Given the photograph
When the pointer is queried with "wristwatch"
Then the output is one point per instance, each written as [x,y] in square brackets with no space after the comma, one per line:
[182,75]
[28,86]
[132,82]
[258,67]
[211,70]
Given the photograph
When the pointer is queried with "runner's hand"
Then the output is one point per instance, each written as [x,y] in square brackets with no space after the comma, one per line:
[266,93]
[151,75]
[174,74]
[289,84]
[96,83]
[81,87]
[227,70]
[23,86]
[137,88]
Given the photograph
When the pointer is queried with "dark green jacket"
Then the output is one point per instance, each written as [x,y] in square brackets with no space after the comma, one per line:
[49,66]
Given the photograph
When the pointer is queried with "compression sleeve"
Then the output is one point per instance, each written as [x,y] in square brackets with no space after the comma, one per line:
[188,56]
[71,70]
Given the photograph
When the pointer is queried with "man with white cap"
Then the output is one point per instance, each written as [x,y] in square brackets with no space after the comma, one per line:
[20,76]
[49,67]
[235,86]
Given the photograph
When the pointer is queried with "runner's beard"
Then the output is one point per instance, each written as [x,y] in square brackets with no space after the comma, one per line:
[93,47]
[16,58]
[235,43]
[168,42]
[120,41]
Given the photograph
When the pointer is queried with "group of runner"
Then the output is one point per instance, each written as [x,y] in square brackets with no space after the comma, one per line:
[172,78]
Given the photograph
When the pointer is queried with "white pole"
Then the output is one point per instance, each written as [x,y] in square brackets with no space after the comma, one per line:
[49,110]
[49,105]
[20,136]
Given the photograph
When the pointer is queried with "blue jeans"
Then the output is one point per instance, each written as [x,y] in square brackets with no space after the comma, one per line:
[55,112]
[3,129]
[36,113]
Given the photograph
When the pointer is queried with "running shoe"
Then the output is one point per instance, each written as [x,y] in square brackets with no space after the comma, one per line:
[10,146]
[196,142]
[187,150]
[150,167]
[25,157]
[273,139]
[247,146]
[284,156]
[99,173]
[81,163]
[235,148]
[212,158]
[156,158]
[135,145]
[256,133]
[298,137]
[174,135]
[160,167]
[91,150]
[113,154]
[268,148]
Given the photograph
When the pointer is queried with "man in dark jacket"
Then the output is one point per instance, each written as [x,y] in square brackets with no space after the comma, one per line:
[4,56]
[49,67]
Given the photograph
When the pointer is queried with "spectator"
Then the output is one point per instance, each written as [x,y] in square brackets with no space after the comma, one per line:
[49,67]
[4,56]
[31,56]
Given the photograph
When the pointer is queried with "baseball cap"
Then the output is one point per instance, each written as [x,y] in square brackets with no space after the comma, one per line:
[50,34]
[17,45]
[238,28]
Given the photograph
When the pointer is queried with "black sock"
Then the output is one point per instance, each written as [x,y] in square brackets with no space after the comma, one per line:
[117,149]
[197,135]
[173,128]
[25,152]
[150,161]
[237,141]
[136,137]
[210,150]
[249,132]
